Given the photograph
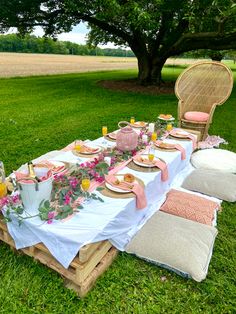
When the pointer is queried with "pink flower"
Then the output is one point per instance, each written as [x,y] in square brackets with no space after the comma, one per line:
[15,199]
[49,221]
[100,179]
[67,200]
[100,157]
[51,215]
[4,201]
[73,183]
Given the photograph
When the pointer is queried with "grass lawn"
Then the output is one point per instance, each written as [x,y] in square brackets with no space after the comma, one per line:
[39,114]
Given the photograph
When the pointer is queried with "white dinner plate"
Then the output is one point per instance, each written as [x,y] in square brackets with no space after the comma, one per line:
[137,125]
[179,134]
[115,189]
[98,149]
[145,165]
[170,119]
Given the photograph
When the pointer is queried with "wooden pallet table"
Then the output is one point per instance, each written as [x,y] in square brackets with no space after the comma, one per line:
[91,261]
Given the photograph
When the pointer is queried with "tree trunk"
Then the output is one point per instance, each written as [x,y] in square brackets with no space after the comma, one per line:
[150,70]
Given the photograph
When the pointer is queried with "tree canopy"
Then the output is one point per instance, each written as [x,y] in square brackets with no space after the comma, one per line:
[154,30]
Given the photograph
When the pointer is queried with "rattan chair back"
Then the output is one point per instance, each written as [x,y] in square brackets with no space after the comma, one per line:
[203,85]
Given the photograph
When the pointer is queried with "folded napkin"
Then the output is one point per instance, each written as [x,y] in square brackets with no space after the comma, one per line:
[188,135]
[24,177]
[134,187]
[157,163]
[50,165]
[176,146]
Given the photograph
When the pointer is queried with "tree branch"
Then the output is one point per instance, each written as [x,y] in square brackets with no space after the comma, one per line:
[208,40]
[105,26]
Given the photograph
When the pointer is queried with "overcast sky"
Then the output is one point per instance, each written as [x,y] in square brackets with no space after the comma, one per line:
[77,35]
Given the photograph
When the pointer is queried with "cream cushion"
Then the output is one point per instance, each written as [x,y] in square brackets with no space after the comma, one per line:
[218,159]
[211,182]
[175,243]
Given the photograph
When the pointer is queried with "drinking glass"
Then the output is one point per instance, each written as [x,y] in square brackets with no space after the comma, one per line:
[151,154]
[154,137]
[3,187]
[132,120]
[104,133]
[78,145]
[85,184]
[169,127]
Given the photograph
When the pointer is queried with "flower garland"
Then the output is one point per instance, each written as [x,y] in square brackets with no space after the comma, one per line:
[67,194]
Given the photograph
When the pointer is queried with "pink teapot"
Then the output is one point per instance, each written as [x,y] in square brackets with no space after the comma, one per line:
[127,138]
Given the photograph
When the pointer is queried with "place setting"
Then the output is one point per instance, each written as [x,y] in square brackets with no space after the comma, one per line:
[137,124]
[86,150]
[169,147]
[148,162]
[125,186]
[57,167]
[181,135]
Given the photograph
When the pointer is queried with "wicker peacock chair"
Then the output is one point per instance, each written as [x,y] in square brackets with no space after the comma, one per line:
[200,88]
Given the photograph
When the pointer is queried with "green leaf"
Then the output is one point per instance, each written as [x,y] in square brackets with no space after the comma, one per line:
[100,188]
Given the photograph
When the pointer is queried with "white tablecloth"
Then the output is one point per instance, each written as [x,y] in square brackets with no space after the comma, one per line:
[115,219]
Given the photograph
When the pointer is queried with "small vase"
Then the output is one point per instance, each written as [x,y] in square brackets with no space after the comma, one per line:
[127,138]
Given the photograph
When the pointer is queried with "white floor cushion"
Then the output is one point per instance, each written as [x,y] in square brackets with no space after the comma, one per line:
[218,159]
[216,183]
[175,243]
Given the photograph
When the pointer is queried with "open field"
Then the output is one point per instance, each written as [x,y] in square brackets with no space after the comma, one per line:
[26,64]
[39,114]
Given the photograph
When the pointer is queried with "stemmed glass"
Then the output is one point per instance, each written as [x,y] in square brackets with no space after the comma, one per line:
[132,120]
[104,133]
[85,185]
[3,187]
[151,154]
[77,148]
[154,137]
[169,127]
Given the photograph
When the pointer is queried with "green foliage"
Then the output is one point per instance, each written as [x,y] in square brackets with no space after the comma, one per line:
[154,30]
[33,44]
[50,112]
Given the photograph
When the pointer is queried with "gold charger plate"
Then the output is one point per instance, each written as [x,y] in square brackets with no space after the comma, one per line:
[164,149]
[180,138]
[138,168]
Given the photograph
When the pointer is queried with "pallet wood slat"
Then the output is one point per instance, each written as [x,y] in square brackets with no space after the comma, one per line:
[90,263]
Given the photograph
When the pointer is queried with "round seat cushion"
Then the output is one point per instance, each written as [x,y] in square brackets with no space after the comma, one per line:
[197,116]
[214,158]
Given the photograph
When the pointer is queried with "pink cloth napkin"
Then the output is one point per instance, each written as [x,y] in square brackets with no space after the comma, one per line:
[159,164]
[23,177]
[134,187]
[190,136]
[176,146]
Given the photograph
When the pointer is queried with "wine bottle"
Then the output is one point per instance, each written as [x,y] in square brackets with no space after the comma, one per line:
[32,173]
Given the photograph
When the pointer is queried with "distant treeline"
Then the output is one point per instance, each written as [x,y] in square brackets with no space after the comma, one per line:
[33,44]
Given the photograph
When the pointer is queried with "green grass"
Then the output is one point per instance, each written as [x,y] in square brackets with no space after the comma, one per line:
[39,114]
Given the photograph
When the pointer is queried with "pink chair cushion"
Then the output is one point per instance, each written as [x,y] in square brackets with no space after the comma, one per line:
[190,206]
[197,116]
